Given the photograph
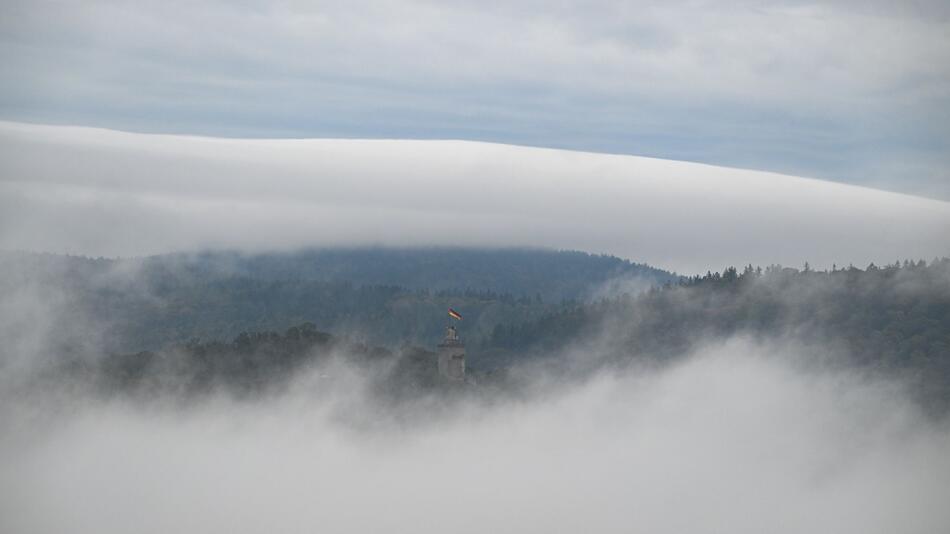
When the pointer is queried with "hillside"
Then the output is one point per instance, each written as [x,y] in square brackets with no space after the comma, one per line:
[383,296]
[552,275]
[892,321]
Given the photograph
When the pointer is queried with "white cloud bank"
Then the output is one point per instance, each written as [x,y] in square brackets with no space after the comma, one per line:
[101,192]
[733,440]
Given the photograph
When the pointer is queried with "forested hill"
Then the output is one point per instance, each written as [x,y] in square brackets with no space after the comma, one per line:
[384,296]
[554,275]
[892,319]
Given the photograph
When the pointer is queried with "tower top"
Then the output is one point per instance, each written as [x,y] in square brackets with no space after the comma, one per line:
[451,338]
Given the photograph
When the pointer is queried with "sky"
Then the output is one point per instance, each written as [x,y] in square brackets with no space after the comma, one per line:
[99,192]
[849,91]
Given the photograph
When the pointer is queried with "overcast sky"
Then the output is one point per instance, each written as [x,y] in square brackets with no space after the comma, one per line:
[849,91]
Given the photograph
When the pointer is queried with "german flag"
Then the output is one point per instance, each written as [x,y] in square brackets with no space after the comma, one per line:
[455,315]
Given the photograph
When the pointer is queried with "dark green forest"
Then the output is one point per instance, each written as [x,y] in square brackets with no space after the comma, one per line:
[385,297]
[892,320]
[257,362]
[248,321]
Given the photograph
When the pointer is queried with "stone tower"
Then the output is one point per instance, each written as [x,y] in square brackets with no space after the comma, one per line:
[452,356]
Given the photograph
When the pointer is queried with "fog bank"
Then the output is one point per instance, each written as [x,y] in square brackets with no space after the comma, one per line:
[101,192]
[734,439]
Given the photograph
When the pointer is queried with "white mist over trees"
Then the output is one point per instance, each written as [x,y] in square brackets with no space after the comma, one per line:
[734,438]
[749,432]
[101,192]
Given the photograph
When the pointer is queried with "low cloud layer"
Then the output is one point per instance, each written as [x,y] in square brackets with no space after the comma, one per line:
[733,439]
[100,192]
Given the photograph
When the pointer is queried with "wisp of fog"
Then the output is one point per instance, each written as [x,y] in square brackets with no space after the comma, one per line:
[733,438]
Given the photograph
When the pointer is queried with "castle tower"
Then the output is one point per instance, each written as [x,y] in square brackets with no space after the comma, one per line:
[452,356]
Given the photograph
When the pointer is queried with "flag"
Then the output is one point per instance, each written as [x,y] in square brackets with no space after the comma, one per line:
[454,314]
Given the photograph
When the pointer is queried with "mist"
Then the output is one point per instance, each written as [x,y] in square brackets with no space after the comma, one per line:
[733,438]
[741,433]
